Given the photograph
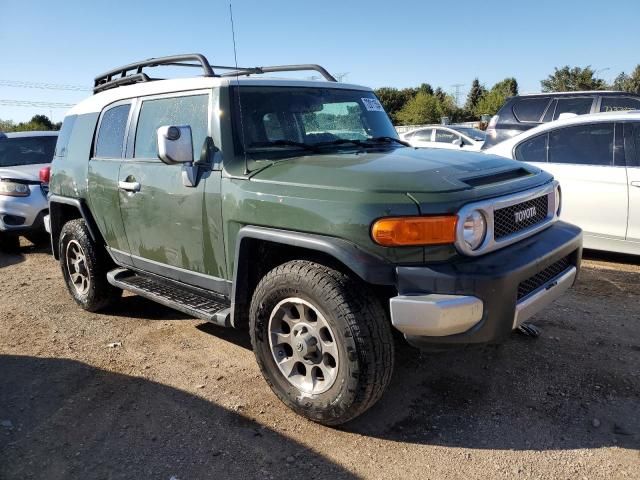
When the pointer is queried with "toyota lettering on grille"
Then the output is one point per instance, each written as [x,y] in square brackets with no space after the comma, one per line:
[525,214]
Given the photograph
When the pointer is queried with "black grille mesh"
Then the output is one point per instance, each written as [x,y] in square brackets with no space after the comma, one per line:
[531,284]
[505,218]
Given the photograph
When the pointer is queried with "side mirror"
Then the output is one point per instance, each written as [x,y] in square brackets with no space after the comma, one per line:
[458,142]
[175,144]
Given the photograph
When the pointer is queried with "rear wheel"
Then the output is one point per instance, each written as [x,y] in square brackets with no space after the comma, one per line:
[85,268]
[322,341]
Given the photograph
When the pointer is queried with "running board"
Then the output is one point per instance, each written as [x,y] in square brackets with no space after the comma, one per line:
[170,294]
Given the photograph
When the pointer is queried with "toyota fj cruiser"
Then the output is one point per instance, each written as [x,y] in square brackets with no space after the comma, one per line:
[291,208]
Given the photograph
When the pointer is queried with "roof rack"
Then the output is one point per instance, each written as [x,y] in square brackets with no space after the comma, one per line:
[132,73]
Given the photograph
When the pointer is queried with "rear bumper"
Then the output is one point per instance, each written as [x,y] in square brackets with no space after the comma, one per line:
[482,299]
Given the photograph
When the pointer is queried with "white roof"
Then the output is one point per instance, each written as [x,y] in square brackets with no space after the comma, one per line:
[580,92]
[97,102]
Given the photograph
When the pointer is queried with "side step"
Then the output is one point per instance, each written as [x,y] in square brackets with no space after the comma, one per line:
[170,294]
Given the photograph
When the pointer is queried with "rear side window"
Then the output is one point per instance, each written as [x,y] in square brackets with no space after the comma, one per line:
[64,136]
[444,136]
[618,104]
[577,105]
[632,144]
[530,109]
[423,135]
[582,145]
[187,110]
[110,138]
[533,150]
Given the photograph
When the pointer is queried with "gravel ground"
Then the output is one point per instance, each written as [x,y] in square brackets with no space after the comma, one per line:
[143,392]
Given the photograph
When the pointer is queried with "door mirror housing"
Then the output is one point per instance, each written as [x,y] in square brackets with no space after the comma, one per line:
[175,144]
[458,142]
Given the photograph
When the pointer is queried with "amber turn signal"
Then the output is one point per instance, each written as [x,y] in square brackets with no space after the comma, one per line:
[405,231]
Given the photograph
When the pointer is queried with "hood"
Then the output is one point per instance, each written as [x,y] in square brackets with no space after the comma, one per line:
[23,172]
[395,170]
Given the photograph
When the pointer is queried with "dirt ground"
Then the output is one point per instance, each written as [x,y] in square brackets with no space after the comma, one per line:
[144,392]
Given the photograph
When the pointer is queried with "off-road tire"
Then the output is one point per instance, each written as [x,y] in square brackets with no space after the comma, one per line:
[100,293]
[360,325]
[9,243]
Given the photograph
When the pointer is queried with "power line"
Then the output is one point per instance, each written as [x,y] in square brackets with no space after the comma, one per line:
[32,103]
[43,86]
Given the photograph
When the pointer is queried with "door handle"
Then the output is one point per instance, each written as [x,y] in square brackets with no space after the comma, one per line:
[129,186]
[635,184]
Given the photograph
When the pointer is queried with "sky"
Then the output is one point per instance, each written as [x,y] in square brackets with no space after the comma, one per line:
[375,43]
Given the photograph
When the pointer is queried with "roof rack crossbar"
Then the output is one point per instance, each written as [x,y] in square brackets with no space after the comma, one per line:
[132,73]
[107,80]
[279,68]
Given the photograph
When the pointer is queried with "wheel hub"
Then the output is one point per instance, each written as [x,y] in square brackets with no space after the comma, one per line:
[76,261]
[303,345]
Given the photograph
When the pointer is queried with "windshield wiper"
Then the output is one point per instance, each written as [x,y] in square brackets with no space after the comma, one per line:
[284,143]
[388,140]
[363,143]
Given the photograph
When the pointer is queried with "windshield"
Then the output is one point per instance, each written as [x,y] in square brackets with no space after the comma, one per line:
[281,119]
[18,151]
[474,133]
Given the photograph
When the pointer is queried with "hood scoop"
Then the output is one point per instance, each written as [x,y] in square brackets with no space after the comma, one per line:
[496,177]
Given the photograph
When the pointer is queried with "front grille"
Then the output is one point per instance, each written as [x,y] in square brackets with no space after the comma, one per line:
[531,284]
[520,216]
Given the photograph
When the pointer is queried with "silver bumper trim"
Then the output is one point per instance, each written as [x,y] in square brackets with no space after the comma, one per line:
[542,297]
[435,315]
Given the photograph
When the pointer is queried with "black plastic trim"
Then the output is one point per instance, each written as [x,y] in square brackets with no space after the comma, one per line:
[54,222]
[494,279]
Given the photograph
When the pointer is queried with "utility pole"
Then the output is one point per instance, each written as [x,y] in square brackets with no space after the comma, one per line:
[457,90]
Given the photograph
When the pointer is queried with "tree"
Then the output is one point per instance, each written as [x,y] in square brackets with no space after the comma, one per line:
[425,108]
[491,101]
[508,86]
[426,88]
[393,99]
[37,122]
[476,92]
[628,83]
[567,79]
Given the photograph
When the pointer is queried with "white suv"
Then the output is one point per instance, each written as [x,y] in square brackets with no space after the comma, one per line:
[596,158]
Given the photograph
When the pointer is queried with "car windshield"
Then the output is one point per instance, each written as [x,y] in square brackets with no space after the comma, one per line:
[473,133]
[272,121]
[18,151]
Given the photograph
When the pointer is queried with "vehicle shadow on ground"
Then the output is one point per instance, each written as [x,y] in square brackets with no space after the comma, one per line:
[13,257]
[72,420]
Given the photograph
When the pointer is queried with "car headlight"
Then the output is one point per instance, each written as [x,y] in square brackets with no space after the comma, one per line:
[474,229]
[558,195]
[14,189]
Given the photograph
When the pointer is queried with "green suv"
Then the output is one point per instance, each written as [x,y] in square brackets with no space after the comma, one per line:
[292,209]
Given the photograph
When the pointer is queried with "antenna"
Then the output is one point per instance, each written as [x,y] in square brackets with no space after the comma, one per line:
[235,57]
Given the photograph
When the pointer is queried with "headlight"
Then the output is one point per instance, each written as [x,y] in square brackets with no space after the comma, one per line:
[474,229]
[558,195]
[14,189]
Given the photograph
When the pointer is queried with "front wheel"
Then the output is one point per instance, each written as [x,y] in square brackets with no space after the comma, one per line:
[322,341]
[85,268]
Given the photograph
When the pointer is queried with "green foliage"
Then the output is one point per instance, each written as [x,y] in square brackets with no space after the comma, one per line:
[628,83]
[37,122]
[426,108]
[393,99]
[567,79]
[491,101]
[475,94]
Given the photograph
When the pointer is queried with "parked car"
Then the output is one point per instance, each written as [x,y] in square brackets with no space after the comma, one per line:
[523,112]
[596,158]
[240,201]
[23,193]
[451,136]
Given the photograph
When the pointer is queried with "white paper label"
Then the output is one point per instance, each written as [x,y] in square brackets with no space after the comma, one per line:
[372,104]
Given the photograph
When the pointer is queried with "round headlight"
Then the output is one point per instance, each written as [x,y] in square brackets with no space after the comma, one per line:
[558,194]
[474,229]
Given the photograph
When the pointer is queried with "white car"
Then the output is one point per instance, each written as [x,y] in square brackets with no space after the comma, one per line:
[450,136]
[596,158]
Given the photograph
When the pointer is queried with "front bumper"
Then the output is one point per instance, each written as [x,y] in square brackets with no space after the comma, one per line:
[482,299]
[23,214]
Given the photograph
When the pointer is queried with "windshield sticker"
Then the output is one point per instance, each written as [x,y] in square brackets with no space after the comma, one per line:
[372,104]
